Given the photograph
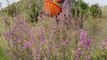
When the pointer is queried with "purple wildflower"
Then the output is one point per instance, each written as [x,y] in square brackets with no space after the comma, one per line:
[83,36]
[42,37]
[27,45]
[84,39]
[88,43]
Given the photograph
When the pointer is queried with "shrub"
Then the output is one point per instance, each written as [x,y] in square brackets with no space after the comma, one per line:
[33,12]
[27,43]
[95,11]
[79,12]
[12,10]
[35,7]
[79,7]
[16,37]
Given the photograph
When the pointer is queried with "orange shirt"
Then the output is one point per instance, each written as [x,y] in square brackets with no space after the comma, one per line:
[52,7]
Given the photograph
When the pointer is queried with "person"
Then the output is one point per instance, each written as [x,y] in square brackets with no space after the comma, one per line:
[53,10]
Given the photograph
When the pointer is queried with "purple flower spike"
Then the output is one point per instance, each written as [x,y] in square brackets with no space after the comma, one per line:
[88,43]
[83,35]
[85,41]
[27,44]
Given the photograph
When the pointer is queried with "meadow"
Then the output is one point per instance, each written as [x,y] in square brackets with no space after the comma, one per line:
[79,32]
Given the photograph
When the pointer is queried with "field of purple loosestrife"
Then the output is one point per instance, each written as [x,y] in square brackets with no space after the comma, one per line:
[53,30]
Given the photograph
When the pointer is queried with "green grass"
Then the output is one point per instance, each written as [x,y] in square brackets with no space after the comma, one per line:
[3,55]
[2,41]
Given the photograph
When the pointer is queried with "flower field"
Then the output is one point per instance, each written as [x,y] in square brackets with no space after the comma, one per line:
[78,32]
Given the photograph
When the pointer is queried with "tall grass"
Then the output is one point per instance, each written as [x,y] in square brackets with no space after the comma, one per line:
[52,38]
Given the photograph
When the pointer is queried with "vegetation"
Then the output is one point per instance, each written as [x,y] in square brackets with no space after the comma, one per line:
[11,10]
[95,11]
[34,12]
[76,34]
[81,11]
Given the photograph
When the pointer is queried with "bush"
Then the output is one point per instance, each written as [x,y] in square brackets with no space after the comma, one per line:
[96,11]
[80,12]
[79,7]
[34,12]
[12,10]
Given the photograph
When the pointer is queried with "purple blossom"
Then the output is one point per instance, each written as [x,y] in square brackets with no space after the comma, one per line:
[8,35]
[27,44]
[66,42]
[54,46]
[42,36]
[20,32]
[83,36]
[88,43]
[84,39]
[64,17]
